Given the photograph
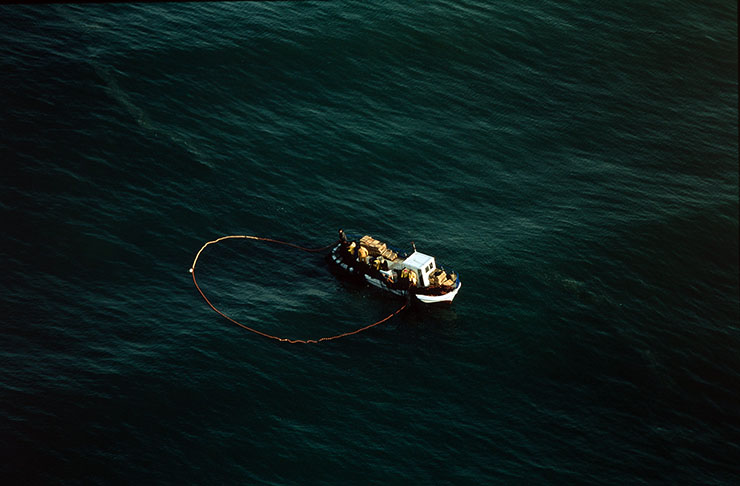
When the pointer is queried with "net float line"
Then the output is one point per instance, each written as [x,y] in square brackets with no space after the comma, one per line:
[264,334]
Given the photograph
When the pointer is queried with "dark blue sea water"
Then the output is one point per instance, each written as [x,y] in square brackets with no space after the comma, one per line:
[575,162]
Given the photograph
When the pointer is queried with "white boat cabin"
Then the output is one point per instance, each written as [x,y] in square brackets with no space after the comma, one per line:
[419,263]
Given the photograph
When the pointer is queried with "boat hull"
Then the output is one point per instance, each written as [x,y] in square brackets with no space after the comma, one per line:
[348,265]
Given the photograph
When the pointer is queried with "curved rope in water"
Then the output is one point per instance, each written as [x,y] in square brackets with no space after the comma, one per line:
[264,334]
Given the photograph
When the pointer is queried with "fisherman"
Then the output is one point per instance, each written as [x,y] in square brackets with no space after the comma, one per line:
[412,279]
[403,279]
[362,254]
[378,262]
[342,237]
[351,248]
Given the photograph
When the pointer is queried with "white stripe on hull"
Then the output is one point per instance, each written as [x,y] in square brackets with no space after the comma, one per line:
[433,299]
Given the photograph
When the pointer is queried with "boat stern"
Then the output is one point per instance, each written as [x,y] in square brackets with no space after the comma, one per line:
[438,299]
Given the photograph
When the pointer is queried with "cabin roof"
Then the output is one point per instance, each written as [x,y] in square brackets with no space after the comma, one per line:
[417,260]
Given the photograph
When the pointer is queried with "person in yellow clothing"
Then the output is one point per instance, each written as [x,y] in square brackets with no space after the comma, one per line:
[352,248]
[362,254]
[412,279]
[378,262]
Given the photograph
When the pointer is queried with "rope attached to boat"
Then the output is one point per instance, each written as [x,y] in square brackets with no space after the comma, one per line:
[264,334]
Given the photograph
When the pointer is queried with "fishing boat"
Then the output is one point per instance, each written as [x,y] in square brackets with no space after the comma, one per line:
[398,272]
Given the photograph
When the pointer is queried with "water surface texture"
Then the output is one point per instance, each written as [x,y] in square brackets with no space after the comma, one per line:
[575,162]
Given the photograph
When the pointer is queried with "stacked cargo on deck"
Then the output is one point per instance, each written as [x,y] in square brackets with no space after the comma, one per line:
[377,248]
[440,277]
